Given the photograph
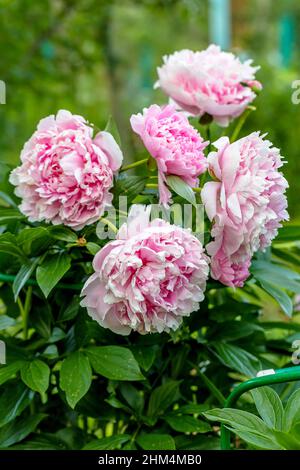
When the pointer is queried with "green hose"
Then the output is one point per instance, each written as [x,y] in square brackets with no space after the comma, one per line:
[290,374]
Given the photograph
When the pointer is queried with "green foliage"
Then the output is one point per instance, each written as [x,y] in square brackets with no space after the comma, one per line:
[278,427]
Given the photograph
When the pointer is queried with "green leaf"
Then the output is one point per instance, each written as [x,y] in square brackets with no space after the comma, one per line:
[181,188]
[9,245]
[133,397]
[36,375]
[292,411]
[35,235]
[289,233]
[156,442]
[13,400]
[129,186]
[42,442]
[9,371]
[276,275]
[51,271]
[246,425]
[269,406]
[279,295]
[182,423]
[107,443]
[111,127]
[10,215]
[17,430]
[69,312]
[23,275]
[162,397]
[145,355]
[184,442]
[6,322]
[62,233]
[93,248]
[75,377]
[287,440]
[114,362]
[237,358]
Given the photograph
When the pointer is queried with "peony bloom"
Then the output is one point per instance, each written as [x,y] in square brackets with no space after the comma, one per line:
[247,204]
[210,81]
[148,279]
[174,143]
[66,174]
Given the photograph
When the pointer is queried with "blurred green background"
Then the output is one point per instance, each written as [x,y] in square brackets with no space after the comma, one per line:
[98,58]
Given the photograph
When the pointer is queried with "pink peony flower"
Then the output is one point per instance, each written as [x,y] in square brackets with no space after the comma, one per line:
[174,143]
[148,279]
[65,175]
[247,204]
[210,81]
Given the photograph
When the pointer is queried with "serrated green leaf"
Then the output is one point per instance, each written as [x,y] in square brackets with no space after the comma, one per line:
[75,377]
[53,268]
[35,375]
[114,362]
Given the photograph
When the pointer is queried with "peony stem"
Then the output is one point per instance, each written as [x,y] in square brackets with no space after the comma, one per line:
[241,122]
[134,165]
[24,310]
[109,224]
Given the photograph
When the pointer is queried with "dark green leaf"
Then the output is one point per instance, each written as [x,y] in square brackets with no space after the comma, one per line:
[23,275]
[17,430]
[107,443]
[145,355]
[279,295]
[162,397]
[75,377]
[183,423]
[7,372]
[36,375]
[62,233]
[9,215]
[14,398]
[237,358]
[156,442]
[114,362]
[51,271]
[9,245]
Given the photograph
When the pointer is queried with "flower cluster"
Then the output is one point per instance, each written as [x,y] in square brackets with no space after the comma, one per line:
[155,273]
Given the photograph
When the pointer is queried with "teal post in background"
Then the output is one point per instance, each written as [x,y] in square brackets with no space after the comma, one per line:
[220,23]
[286,39]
